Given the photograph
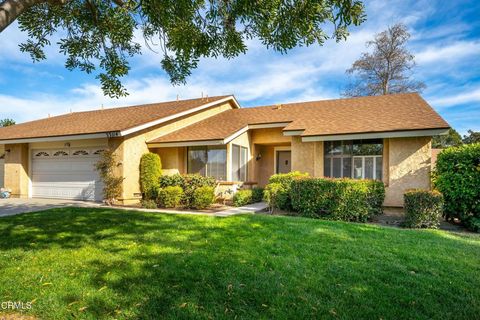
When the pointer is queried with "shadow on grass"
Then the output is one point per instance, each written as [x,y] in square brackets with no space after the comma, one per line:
[121,264]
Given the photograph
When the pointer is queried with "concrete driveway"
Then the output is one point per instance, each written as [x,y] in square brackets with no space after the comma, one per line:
[12,206]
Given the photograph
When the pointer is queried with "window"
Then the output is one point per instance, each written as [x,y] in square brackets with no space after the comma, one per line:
[208,161]
[358,159]
[80,153]
[60,154]
[239,163]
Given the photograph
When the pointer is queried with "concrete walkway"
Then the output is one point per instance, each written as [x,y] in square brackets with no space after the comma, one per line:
[9,207]
[13,206]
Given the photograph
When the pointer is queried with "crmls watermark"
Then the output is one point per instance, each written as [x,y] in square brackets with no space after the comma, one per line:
[15,305]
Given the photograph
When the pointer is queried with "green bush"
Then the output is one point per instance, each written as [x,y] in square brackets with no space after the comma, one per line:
[148,204]
[192,182]
[203,197]
[170,197]
[276,196]
[257,195]
[171,180]
[150,172]
[338,199]
[423,208]
[279,197]
[457,177]
[242,197]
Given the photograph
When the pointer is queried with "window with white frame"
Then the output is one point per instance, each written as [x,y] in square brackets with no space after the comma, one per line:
[239,163]
[359,159]
[210,161]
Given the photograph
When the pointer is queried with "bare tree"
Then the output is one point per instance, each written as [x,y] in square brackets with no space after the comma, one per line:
[387,69]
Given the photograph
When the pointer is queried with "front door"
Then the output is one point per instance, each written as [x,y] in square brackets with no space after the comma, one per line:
[284,161]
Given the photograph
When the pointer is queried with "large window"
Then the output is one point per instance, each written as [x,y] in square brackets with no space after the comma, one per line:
[208,161]
[359,159]
[239,163]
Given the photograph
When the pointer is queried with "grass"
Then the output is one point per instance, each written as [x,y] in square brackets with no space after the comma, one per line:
[106,264]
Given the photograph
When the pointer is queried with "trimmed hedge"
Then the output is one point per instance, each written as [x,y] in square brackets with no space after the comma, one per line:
[203,197]
[457,177]
[170,197]
[277,191]
[189,183]
[148,204]
[337,199]
[150,172]
[423,208]
[247,196]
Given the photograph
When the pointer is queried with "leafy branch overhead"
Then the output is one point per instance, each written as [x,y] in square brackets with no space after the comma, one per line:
[103,34]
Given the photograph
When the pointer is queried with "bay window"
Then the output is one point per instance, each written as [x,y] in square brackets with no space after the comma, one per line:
[210,161]
[358,159]
[239,163]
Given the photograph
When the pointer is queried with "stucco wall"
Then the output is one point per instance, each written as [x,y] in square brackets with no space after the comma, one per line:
[307,157]
[134,146]
[409,161]
[264,168]
[269,136]
[16,169]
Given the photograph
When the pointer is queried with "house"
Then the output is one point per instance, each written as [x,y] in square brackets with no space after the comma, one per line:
[382,137]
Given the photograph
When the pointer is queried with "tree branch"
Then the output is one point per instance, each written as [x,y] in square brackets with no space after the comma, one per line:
[10,10]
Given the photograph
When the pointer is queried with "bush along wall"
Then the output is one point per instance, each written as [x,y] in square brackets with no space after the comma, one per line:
[423,208]
[247,196]
[337,199]
[457,177]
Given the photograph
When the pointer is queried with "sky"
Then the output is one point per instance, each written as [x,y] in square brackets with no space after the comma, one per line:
[445,42]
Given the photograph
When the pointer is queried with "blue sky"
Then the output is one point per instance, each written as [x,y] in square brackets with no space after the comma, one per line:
[445,41]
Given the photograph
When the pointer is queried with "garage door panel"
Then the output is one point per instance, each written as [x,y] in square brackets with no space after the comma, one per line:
[66,176]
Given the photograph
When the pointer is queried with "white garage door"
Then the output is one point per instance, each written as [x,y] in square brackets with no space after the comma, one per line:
[66,174]
[2,172]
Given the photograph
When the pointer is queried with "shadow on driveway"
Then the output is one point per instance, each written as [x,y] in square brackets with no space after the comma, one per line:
[9,207]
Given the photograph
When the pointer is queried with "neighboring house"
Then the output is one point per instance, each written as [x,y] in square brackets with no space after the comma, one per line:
[384,137]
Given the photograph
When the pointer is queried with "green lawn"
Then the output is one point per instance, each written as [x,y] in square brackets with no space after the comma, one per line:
[101,263]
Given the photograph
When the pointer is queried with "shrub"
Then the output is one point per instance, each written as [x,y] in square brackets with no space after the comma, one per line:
[338,199]
[171,180]
[257,195]
[457,177]
[112,184]
[242,197]
[276,196]
[192,182]
[148,204]
[170,197]
[150,172]
[203,197]
[279,197]
[423,208]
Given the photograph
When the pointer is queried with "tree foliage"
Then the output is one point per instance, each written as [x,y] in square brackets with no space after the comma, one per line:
[103,34]
[387,69]
[452,139]
[472,137]
[7,122]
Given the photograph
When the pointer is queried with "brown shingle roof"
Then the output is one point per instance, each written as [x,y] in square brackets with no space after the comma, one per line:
[101,121]
[399,112]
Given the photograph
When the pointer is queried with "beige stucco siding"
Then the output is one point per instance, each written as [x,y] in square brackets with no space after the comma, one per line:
[16,169]
[307,157]
[409,163]
[269,136]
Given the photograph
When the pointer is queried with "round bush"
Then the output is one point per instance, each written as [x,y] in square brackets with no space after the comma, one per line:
[150,172]
[242,197]
[423,208]
[170,197]
[257,194]
[278,194]
[203,197]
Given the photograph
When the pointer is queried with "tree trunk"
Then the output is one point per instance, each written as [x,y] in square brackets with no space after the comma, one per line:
[10,10]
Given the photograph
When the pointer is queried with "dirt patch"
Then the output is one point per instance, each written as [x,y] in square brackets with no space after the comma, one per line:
[16,316]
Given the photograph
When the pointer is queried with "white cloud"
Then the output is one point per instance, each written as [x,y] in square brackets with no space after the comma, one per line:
[470,96]
[448,53]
